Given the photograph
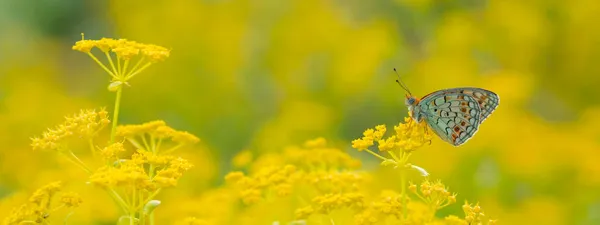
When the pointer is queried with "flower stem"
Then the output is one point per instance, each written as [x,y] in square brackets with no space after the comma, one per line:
[116,114]
[403,193]
[91,143]
[102,65]
[73,158]
[112,65]
[132,206]
[133,73]
[118,199]
[375,154]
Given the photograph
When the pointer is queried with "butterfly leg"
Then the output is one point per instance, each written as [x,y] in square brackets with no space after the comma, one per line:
[426,131]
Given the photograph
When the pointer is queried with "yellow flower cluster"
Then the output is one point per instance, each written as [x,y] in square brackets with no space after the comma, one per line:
[275,179]
[123,48]
[86,124]
[129,173]
[324,169]
[474,214]
[409,136]
[71,199]
[193,221]
[169,175]
[157,131]
[315,155]
[389,204]
[333,181]
[41,205]
[434,194]
[111,152]
[132,172]
[119,69]
[325,204]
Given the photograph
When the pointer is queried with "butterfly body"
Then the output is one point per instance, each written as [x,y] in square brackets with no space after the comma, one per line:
[453,114]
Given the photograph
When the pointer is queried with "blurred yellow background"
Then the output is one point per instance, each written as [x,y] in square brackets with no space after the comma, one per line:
[265,74]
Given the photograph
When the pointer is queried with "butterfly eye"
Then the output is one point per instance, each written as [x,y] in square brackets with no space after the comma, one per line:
[410,101]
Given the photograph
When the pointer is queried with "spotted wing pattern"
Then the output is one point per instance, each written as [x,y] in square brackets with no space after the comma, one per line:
[487,100]
[455,114]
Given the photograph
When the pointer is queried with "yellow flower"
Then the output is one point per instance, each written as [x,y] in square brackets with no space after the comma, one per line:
[128,174]
[86,124]
[183,137]
[304,212]
[280,180]
[326,203]
[242,159]
[412,135]
[387,144]
[110,152]
[434,194]
[388,204]
[474,214]
[156,160]
[193,221]
[40,206]
[454,220]
[84,45]
[409,136]
[71,199]
[158,131]
[362,143]
[169,176]
[234,176]
[379,132]
[316,155]
[134,130]
[120,69]
[43,195]
[316,143]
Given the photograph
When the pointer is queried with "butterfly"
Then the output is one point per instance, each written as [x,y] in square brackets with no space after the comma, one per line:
[453,114]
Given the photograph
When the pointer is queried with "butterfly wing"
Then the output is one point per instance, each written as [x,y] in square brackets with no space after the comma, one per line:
[455,114]
[487,100]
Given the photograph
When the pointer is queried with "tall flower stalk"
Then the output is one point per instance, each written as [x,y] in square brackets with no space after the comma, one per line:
[120,53]
[396,149]
[133,180]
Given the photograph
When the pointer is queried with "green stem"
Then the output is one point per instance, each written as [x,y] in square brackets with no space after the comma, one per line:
[116,114]
[112,64]
[173,149]
[133,73]
[102,65]
[73,158]
[119,200]
[141,205]
[142,217]
[119,71]
[146,143]
[131,209]
[136,144]
[125,65]
[403,194]
[135,67]
[151,218]
[91,143]
[153,143]
[376,155]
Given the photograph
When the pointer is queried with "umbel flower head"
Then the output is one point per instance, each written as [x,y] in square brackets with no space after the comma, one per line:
[396,149]
[120,67]
[152,135]
[41,205]
[85,124]
[408,137]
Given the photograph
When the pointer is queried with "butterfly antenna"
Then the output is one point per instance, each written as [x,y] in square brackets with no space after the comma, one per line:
[399,81]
